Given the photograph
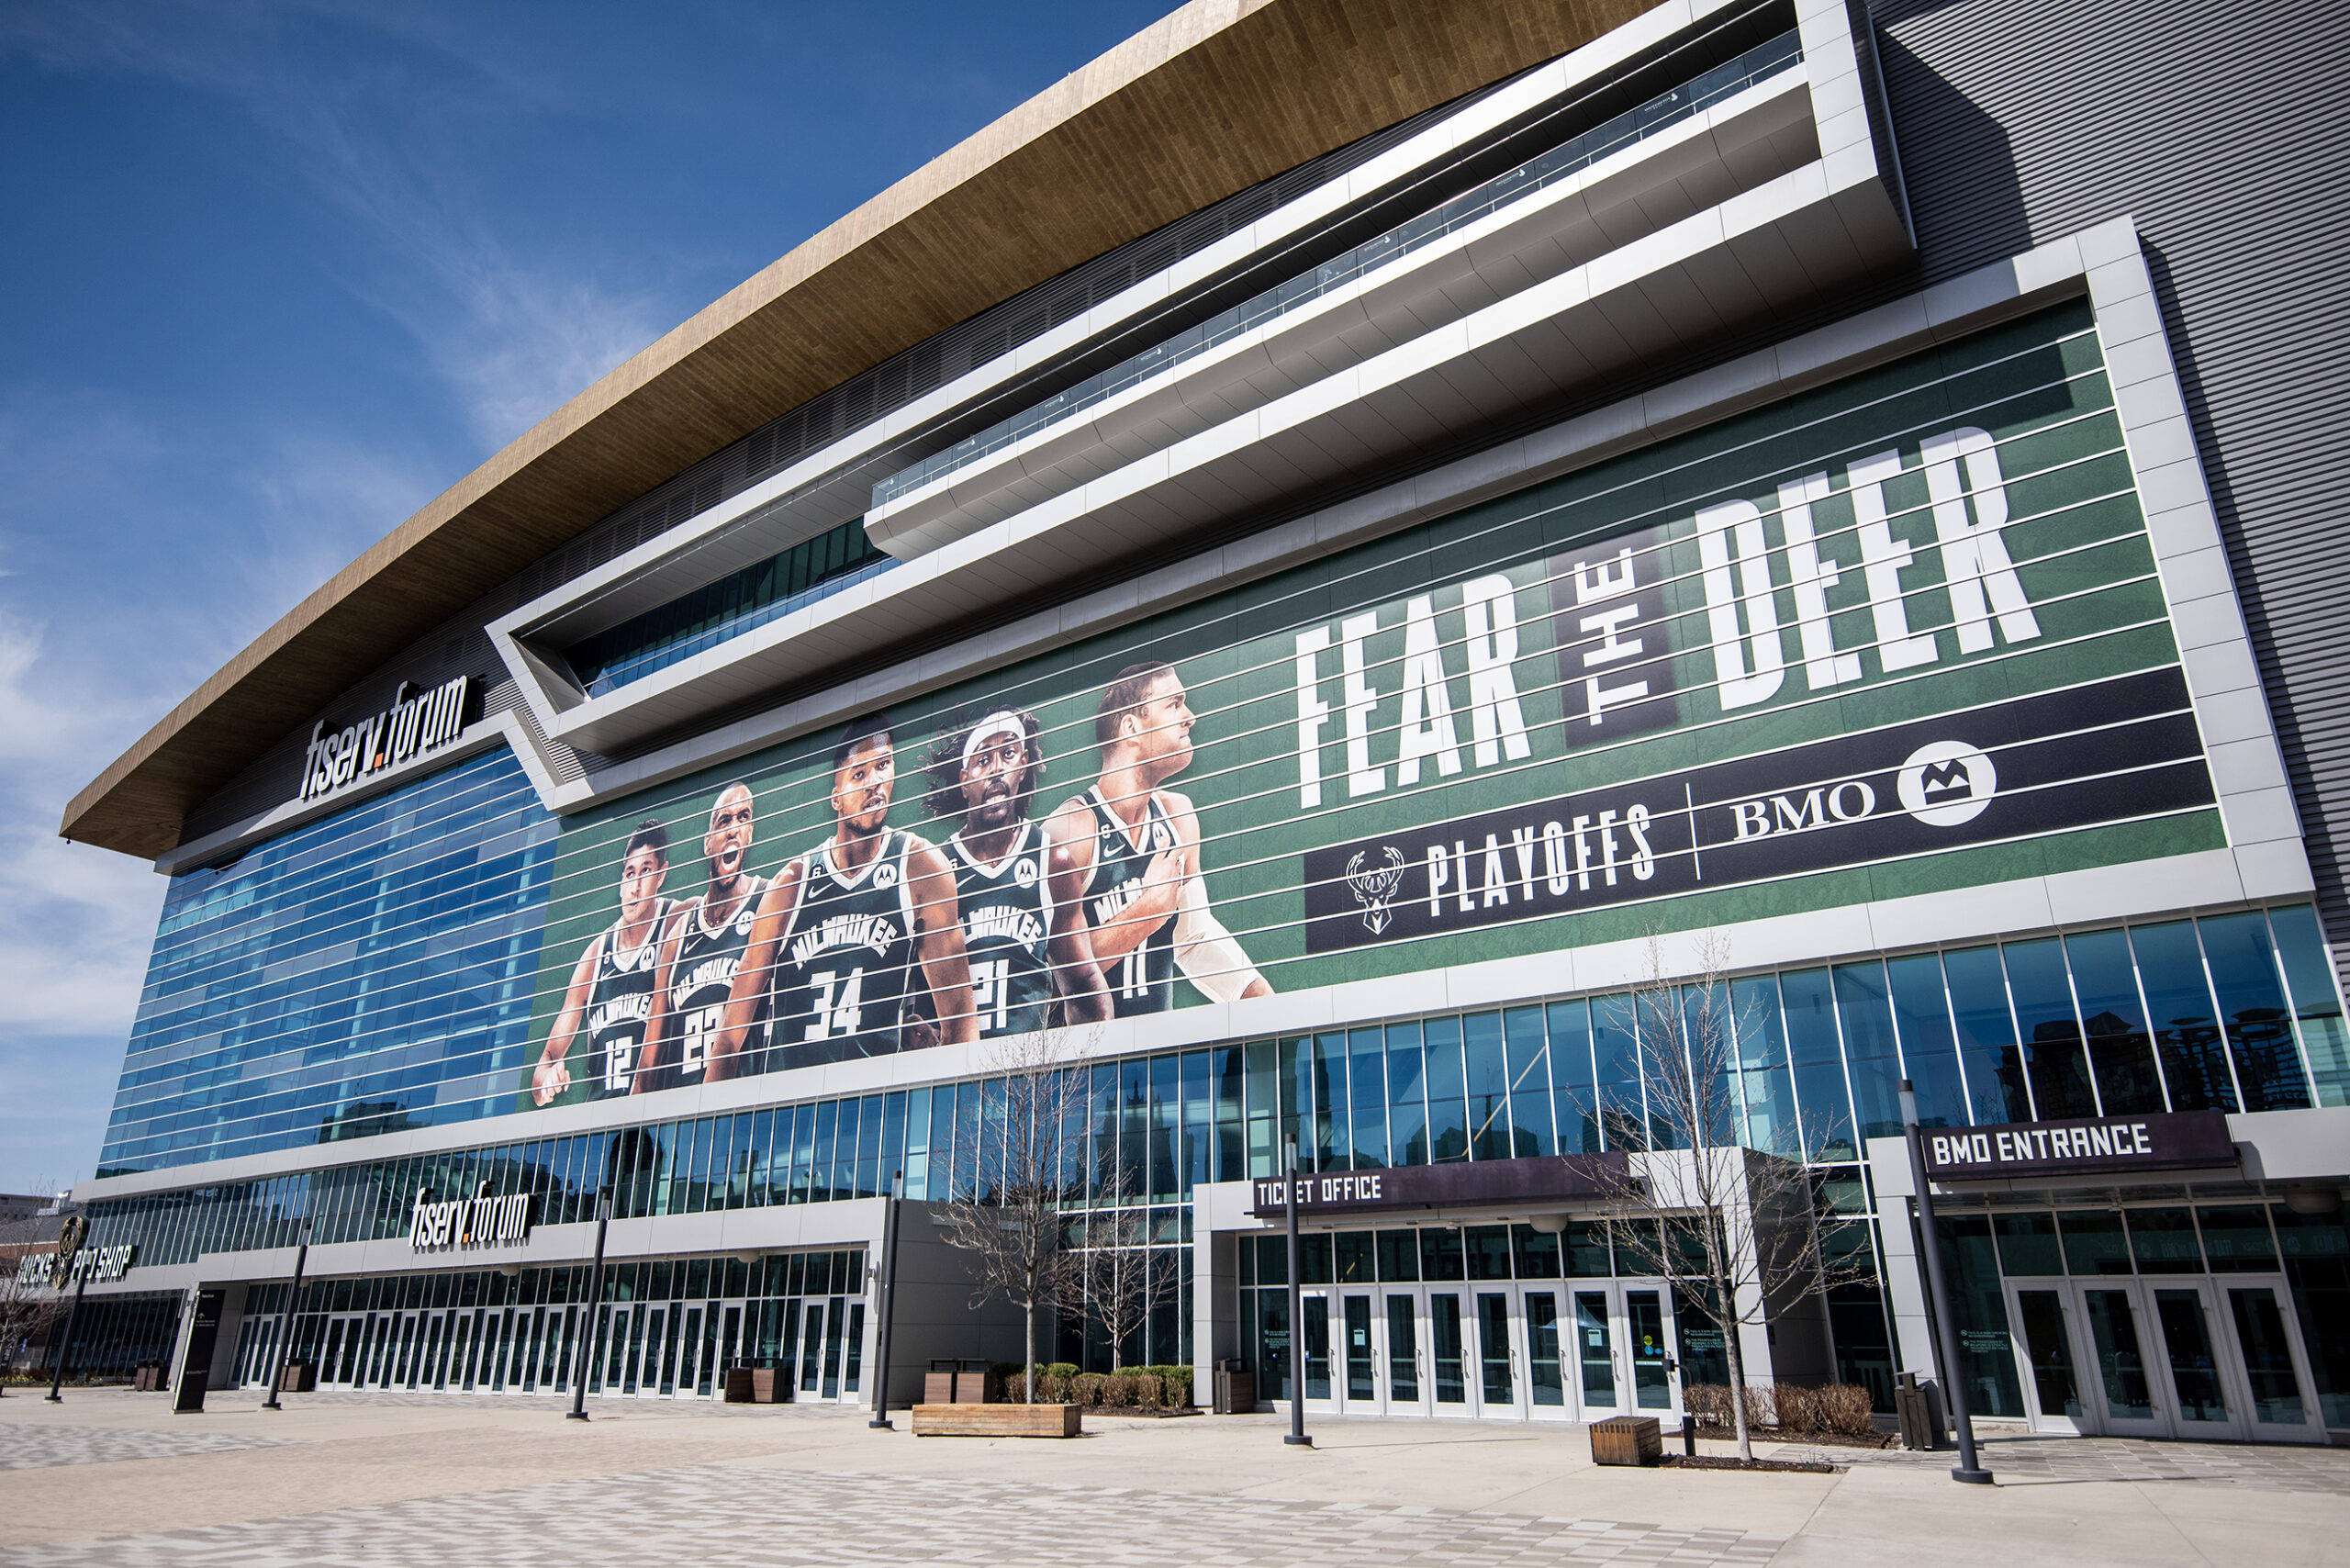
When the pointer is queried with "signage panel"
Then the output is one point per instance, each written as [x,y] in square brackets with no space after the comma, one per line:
[1550,1179]
[1897,635]
[2108,1146]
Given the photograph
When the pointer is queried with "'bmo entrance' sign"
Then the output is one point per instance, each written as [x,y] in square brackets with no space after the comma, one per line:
[2104,1146]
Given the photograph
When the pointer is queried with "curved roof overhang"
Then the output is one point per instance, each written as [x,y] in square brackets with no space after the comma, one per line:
[1212,99]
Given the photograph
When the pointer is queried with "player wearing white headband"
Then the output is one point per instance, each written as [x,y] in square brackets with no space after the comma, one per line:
[1009,874]
[851,931]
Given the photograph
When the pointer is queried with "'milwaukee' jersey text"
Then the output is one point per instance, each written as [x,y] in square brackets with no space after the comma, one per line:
[847,958]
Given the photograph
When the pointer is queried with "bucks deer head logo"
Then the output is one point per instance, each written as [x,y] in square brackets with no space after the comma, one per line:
[1374,884]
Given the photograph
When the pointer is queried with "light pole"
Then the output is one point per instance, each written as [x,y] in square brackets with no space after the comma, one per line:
[889,1300]
[589,1339]
[285,1318]
[1296,1433]
[1945,1333]
[65,1342]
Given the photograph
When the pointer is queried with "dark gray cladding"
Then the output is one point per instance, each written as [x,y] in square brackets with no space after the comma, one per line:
[2218,129]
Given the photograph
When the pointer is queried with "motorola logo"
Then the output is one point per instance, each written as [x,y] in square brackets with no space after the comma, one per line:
[1946,783]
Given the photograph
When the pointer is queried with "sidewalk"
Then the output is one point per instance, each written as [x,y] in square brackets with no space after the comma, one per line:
[112,1477]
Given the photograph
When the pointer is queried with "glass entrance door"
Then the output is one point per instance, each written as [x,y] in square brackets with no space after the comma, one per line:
[1358,1379]
[2178,1357]
[1405,1352]
[1314,1308]
[1450,1369]
[1546,1337]
[1619,1355]
[1500,1389]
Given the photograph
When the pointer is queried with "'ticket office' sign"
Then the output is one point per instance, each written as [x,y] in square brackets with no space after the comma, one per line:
[1548,1181]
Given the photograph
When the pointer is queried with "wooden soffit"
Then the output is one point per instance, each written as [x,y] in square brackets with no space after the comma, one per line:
[1212,99]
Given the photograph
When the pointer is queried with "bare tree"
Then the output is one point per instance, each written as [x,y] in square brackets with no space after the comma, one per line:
[1728,1224]
[1115,1277]
[1011,1220]
[31,1301]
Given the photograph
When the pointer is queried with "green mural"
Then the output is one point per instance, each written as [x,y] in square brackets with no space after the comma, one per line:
[1898,634]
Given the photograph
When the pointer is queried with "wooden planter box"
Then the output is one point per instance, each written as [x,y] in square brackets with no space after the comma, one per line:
[1627,1439]
[299,1377]
[757,1386]
[996,1420]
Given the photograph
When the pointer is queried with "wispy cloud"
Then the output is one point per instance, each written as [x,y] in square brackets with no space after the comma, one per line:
[383,126]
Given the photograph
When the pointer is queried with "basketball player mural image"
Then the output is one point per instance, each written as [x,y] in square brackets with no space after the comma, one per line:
[1133,857]
[611,994]
[850,931]
[701,951]
[1011,877]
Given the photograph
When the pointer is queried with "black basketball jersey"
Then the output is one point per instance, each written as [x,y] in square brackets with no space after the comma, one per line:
[1007,910]
[701,977]
[847,958]
[620,1005]
[1144,981]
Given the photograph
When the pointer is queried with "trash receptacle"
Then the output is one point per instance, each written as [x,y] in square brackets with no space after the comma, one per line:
[1918,1408]
[1235,1388]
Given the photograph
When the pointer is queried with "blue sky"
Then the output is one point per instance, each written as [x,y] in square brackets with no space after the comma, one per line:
[277,272]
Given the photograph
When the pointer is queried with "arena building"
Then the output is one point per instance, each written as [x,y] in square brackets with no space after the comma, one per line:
[1319,567]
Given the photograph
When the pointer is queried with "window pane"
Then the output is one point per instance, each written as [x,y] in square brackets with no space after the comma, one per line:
[2236,1238]
[1447,1101]
[1333,1151]
[1869,1052]
[2163,1241]
[1616,1059]
[1488,1085]
[1987,1036]
[2051,1033]
[1488,1247]
[1929,1050]
[2094,1243]
[2302,952]
[1407,1113]
[1530,1082]
[1819,1064]
[2187,1036]
[1367,1096]
[2122,1053]
[2252,1006]
[1574,1099]
[1768,1088]
[2028,1243]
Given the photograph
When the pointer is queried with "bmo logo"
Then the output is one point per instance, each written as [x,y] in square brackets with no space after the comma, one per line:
[1946,783]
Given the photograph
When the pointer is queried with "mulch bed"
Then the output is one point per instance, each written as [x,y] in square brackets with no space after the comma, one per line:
[1812,1440]
[1728,1462]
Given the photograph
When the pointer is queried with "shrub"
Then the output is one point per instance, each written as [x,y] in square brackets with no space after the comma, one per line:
[1085,1388]
[1119,1391]
[1846,1409]
[1762,1410]
[1708,1404]
[1150,1390]
[1798,1408]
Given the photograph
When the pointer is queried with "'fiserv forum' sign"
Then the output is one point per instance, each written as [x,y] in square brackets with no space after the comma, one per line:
[2183,1140]
[414,724]
[477,1221]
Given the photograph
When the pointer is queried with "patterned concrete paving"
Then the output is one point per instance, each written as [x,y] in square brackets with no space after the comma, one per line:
[37,1446]
[723,1516]
[2021,1459]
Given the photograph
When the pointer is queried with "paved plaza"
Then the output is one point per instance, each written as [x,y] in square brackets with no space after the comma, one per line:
[113,1478]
